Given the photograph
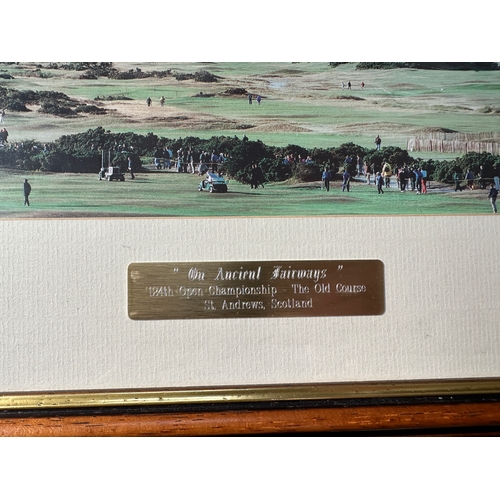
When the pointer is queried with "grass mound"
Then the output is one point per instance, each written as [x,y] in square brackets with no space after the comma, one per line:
[238,91]
[489,109]
[350,97]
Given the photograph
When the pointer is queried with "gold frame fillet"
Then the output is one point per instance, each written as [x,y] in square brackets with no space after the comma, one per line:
[249,394]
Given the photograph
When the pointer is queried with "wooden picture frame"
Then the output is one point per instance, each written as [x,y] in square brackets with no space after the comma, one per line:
[445,407]
[450,405]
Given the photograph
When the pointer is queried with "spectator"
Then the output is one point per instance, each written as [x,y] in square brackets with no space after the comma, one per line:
[168,155]
[157,158]
[346,180]
[360,165]
[481,179]
[131,167]
[378,142]
[469,177]
[27,192]
[413,178]
[492,196]
[190,162]
[368,172]
[3,136]
[379,181]
[202,168]
[387,174]
[457,178]
[418,177]
[496,178]
[424,180]
[326,177]
[403,179]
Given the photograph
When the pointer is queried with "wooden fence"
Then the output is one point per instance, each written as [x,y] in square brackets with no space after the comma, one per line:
[441,142]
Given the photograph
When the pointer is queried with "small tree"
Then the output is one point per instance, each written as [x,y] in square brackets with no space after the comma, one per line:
[474,161]
[307,172]
[275,170]
[322,156]
[242,156]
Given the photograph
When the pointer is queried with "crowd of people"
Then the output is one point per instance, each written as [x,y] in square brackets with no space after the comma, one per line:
[411,178]
[187,161]
[408,178]
[349,85]
[291,159]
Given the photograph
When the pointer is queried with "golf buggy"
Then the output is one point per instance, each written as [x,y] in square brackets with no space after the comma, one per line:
[112,173]
[214,183]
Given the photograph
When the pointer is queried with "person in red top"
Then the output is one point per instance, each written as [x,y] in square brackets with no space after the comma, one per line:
[424,180]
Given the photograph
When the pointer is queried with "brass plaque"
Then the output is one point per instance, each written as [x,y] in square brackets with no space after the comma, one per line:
[201,290]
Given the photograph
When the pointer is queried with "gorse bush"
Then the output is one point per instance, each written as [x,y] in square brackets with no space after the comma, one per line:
[56,103]
[242,156]
[474,162]
[307,172]
[392,155]
[15,105]
[82,152]
[90,109]
[275,170]
[54,108]
[199,76]
[477,66]
[205,76]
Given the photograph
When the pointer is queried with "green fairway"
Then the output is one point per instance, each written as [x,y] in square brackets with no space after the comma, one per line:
[169,194]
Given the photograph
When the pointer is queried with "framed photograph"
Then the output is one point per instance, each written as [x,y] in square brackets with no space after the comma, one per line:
[271,235]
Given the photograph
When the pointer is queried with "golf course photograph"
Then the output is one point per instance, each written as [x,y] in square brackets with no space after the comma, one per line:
[248,139]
